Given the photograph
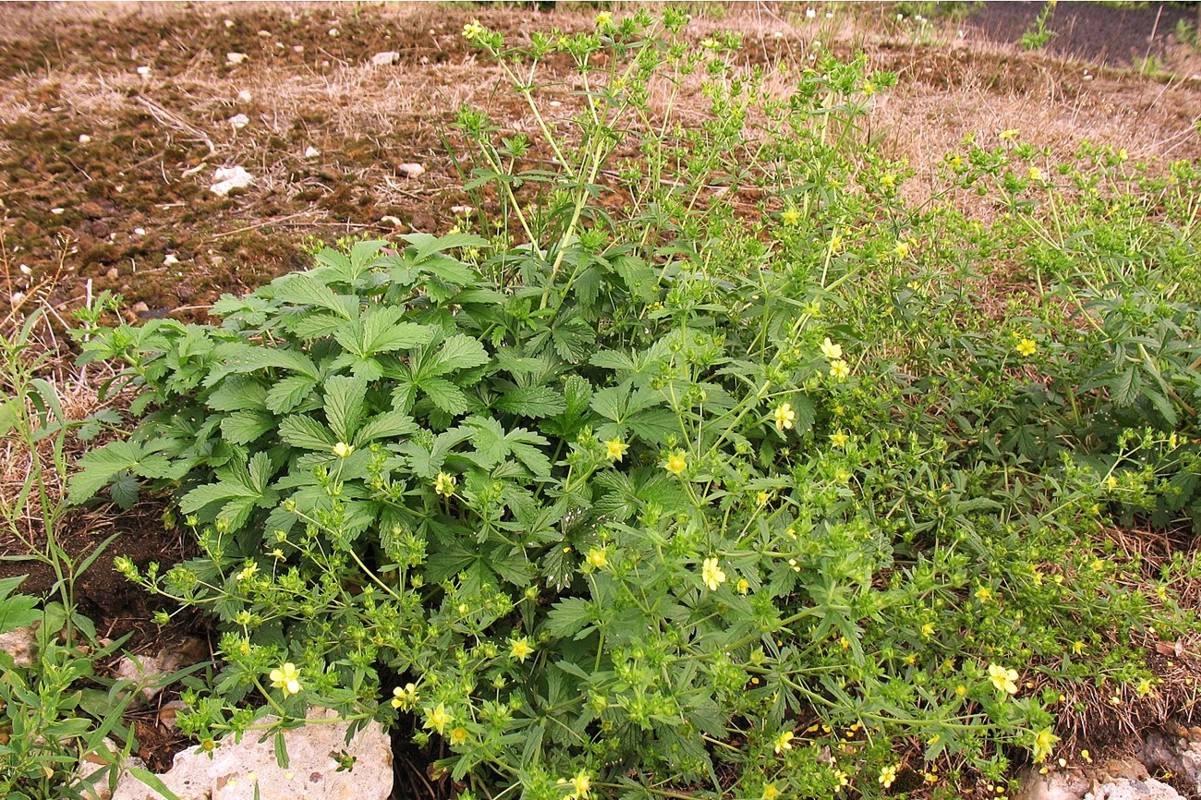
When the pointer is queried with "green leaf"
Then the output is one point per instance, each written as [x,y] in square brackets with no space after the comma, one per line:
[427,245]
[153,781]
[1125,388]
[445,395]
[573,617]
[248,358]
[388,425]
[306,433]
[488,438]
[456,353]
[302,289]
[237,393]
[243,427]
[344,405]
[17,611]
[98,467]
[532,401]
[285,395]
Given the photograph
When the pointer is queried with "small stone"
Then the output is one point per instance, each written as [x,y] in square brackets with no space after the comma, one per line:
[84,138]
[239,121]
[385,59]
[333,32]
[170,259]
[92,774]
[410,170]
[245,96]
[230,178]
[229,23]
[22,642]
[57,211]
[25,270]
[112,273]
[167,713]
[1127,789]
[297,48]
[311,152]
[264,34]
[236,58]
[130,668]
[144,72]
[139,231]
[390,220]
[457,210]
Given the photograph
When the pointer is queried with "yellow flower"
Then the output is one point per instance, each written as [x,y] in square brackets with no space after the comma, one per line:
[901,250]
[458,735]
[1005,680]
[712,574]
[983,593]
[743,586]
[404,699]
[1035,174]
[790,216]
[286,679]
[343,450]
[1044,743]
[1026,347]
[473,30]
[597,558]
[843,779]
[1078,647]
[869,88]
[764,498]
[839,369]
[888,775]
[604,19]
[835,245]
[784,416]
[444,484]
[839,439]
[928,629]
[1008,135]
[616,448]
[831,350]
[956,162]
[784,741]
[1123,154]
[771,791]
[888,180]
[581,784]
[437,718]
[520,649]
[676,463]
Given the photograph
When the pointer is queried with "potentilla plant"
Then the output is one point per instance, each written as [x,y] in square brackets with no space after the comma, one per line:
[694,475]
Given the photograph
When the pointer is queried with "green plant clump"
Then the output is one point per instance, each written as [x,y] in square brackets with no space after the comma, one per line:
[711,466]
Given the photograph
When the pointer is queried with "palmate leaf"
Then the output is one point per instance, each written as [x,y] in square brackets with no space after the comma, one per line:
[388,425]
[304,290]
[285,395]
[493,445]
[445,395]
[379,330]
[306,433]
[243,427]
[458,352]
[240,358]
[98,467]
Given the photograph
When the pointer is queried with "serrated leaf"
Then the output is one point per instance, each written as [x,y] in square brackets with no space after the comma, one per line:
[426,245]
[488,439]
[285,395]
[445,395]
[98,467]
[1125,387]
[302,289]
[534,402]
[573,340]
[612,359]
[458,352]
[237,393]
[306,433]
[243,427]
[573,617]
[388,425]
[344,405]
[248,358]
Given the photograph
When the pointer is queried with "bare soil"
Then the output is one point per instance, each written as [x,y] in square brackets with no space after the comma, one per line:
[105,170]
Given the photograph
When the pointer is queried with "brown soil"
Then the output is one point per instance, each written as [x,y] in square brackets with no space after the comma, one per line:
[105,213]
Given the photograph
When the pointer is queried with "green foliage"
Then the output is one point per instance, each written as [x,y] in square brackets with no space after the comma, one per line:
[1040,35]
[656,489]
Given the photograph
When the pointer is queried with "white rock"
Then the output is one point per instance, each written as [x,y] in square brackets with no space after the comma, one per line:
[1070,785]
[410,170]
[144,72]
[230,178]
[1129,789]
[236,770]
[390,220]
[245,96]
[239,121]
[95,772]
[236,58]
[84,138]
[58,211]
[22,642]
[264,34]
[1179,753]
[386,58]
[25,269]
[333,31]
[461,209]
[297,48]
[229,23]
[139,231]
[16,298]
[311,152]
[170,259]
